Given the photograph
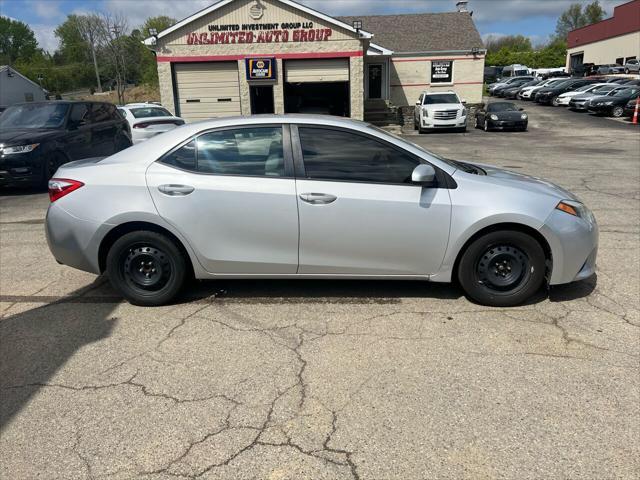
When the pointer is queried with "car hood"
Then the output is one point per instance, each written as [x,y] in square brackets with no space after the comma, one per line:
[508,115]
[524,182]
[19,136]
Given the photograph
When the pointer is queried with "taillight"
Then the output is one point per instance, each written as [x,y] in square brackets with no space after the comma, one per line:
[59,187]
[141,125]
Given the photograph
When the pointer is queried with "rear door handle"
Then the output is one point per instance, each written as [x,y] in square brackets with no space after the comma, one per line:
[176,190]
[318,198]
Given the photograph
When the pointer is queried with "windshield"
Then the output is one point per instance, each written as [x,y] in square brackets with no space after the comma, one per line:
[502,107]
[441,98]
[146,112]
[604,89]
[36,115]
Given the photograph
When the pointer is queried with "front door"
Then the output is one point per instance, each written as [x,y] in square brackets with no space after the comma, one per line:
[359,213]
[231,193]
[374,75]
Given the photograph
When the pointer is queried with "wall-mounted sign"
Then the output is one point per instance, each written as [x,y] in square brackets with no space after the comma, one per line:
[442,71]
[260,33]
[261,68]
[256,11]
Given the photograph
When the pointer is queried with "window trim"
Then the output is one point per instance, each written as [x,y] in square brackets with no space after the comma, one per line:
[442,178]
[286,150]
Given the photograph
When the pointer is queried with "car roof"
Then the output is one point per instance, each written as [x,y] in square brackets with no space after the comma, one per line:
[61,102]
[431,92]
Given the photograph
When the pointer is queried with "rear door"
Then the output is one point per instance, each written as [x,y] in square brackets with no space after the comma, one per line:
[80,143]
[104,129]
[231,192]
[359,213]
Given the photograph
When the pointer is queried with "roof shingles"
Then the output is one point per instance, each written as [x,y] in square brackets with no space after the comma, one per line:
[421,32]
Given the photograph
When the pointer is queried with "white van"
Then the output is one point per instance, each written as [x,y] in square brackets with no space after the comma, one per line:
[515,70]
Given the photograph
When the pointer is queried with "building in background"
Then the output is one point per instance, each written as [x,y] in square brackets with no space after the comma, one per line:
[614,40]
[242,57]
[16,88]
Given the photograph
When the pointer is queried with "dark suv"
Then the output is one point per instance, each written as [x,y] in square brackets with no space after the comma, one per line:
[36,138]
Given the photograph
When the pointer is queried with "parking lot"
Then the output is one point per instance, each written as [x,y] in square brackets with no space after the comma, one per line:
[326,379]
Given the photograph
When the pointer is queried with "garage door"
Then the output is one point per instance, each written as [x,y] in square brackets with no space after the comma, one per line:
[326,70]
[207,90]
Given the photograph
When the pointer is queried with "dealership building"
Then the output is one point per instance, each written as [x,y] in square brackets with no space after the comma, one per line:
[242,57]
[614,40]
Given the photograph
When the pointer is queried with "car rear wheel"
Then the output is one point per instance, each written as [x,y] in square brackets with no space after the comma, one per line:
[147,268]
[502,269]
[617,112]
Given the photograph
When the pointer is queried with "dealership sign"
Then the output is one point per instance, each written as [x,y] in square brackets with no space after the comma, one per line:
[442,71]
[261,68]
[260,33]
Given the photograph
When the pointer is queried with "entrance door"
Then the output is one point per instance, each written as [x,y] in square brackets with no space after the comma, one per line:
[359,212]
[374,75]
[261,99]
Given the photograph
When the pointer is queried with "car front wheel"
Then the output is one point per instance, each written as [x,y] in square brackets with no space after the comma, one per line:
[502,269]
[147,268]
[617,112]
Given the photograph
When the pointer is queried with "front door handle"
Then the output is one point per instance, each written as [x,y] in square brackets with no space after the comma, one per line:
[318,198]
[176,190]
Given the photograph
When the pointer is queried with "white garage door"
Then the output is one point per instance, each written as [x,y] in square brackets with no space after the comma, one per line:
[325,70]
[207,90]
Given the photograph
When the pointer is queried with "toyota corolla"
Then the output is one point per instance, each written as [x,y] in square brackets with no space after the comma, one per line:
[312,197]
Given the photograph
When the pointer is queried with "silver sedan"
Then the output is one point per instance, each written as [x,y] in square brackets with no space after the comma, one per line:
[312,197]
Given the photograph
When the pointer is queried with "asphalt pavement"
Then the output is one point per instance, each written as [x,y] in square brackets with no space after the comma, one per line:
[336,379]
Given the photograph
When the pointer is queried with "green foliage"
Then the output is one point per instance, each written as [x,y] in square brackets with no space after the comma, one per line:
[551,55]
[73,47]
[516,43]
[575,17]
[17,41]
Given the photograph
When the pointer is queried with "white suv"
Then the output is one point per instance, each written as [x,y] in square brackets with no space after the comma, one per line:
[440,110]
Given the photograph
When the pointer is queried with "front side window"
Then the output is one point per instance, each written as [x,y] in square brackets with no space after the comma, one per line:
[344,156]
[247,151]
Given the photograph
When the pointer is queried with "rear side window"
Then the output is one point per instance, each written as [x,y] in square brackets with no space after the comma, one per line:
[79,114]
[255,152]
[100,112]
[147,112]
[345,156]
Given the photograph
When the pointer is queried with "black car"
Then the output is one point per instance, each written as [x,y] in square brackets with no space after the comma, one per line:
[630,108]
[548,96]
[36,138]
[499,91]
[613,104]
[512,92]
[501,115]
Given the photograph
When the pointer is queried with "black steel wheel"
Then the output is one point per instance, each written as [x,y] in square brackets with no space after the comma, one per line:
[51,163]
[146,267]
[502,268]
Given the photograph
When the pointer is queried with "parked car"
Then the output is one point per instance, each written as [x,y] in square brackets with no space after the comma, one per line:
[492,74]
[514,91]
[148,120]
[499,91]
[36,138]
[528,93]
[549,95]
[491,88]
[583,91]
[614,103]
[501,115]
[312,197]
[584,69]
[443,109]
[618,80]
[609,69]
[580,102]
[632,66]
[630,108]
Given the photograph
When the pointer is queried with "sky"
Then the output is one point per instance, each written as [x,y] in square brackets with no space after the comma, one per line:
[533,18]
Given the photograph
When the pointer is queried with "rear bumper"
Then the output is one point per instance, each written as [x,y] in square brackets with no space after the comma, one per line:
[71,240]
[141,134]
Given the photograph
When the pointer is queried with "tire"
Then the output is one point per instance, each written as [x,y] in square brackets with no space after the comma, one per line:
[486,125]
[555,101]
[462,129]
[162,269]
[617,111]
[477,124]
[51,164]
[502,269]
[626,70]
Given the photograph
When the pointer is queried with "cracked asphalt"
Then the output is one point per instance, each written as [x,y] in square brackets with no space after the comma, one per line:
[336,380]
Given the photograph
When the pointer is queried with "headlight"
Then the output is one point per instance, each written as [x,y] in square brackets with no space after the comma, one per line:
[18,149]
[523,116]
[493,117]
[425,112]
[463,112]
[576,209]
[608,103]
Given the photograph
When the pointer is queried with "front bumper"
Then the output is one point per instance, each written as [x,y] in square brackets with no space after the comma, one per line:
[601,109]
[430,122]
[582,106]
[574,247]
[20,169]
[507,124]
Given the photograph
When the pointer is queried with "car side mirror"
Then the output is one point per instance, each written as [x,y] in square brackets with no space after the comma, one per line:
[423,174]
[521,109]
[418,103]
[463,100]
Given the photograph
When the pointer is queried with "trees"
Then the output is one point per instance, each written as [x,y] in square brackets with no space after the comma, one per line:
[516,43]
[17,41]
[575,17]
